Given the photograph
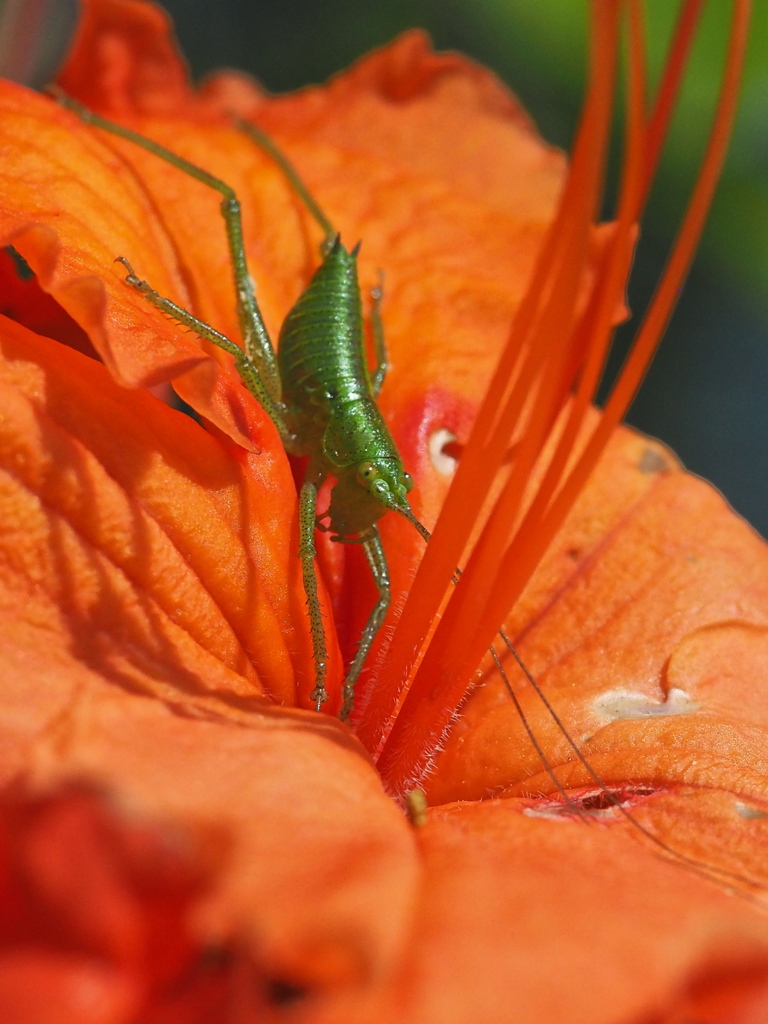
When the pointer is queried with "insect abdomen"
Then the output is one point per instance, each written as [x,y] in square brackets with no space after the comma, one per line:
[321,342]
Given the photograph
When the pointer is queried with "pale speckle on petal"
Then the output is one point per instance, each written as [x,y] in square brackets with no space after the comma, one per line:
[749,811]
[617,705]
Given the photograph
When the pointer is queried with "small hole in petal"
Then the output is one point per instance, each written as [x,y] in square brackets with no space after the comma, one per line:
[606,800]
[444,451]
[603,803]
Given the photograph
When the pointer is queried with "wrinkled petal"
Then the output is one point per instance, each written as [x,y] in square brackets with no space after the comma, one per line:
[173,844]
[24,301]
[653,590]
[577,923]
[123,58]
[96,907]
[139,540]
[440,115]
[71,209]
[285,854]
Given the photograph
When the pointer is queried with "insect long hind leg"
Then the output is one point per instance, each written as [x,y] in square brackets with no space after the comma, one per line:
[256,341]
[307,517]
[374,552]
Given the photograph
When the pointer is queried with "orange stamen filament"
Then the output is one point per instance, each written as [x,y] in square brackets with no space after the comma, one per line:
[553,357]
[520,370]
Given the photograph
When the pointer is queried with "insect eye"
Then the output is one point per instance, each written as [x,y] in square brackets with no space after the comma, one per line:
[366,473]
[407,482]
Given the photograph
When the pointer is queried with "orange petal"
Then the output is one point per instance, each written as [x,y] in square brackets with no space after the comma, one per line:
[123,58]
[645,624]
[536,920]
[221,805]
[24,301]
[140,540]
[70,208]
[438,115]
[96,908]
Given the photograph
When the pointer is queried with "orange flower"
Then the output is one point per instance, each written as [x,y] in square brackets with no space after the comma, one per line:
[181,838]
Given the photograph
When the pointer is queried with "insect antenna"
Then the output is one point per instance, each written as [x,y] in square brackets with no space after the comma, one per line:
[293,178]
[572,806]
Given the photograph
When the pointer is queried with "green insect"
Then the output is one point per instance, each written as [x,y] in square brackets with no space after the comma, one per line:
[317,390]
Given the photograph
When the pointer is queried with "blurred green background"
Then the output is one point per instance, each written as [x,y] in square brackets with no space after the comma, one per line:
[706,392]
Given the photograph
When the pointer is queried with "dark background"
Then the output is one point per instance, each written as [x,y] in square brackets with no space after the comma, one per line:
[706,394]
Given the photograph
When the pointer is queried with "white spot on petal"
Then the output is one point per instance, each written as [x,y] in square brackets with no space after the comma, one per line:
[443,463]
[618,705]
[747,811]
[550,813]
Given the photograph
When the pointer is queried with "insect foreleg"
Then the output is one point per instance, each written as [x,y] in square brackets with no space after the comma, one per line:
[245,368]
[374,552]
[379,345]
[307,516]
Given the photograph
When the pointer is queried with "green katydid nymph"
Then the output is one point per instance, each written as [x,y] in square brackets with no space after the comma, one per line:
[317,389]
